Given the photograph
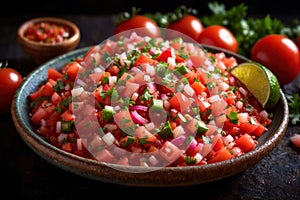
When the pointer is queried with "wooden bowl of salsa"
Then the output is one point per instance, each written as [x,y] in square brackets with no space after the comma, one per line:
[47,37]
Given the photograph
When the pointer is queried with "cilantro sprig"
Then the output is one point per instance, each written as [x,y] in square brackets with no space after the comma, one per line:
[294,107]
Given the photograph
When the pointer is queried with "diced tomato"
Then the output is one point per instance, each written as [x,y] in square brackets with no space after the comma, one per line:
[104,156]
[220,155]
[296,139]
[56,98]
[163,57]
[68,115]
[247,127]
[42,113]
[54,74]
[35,95]
[123,120]
[47,90]
[143,59]
[198,87]
[217,143]
[144,136]
[245,142]
[72,69]
[260,129]
[44,131]
[67,147]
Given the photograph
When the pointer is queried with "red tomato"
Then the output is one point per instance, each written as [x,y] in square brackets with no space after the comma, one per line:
[10,79]
[188,25]
[280,54]
[296,139]
[219,36]
[298,41]
[149,26]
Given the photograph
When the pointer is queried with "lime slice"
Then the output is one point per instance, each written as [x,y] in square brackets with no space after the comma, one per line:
[260,81]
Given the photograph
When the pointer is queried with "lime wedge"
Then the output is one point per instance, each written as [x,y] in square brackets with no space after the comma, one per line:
[260,81]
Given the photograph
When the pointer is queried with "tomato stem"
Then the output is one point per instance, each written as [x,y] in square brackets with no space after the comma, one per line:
[3,63]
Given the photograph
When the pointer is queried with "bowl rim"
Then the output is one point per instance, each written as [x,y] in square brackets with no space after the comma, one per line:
[74,37]
[107,172]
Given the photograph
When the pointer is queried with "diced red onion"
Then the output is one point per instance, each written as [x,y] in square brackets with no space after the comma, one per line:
[192,145]
[264,114]
[138,107]
[151,87]
[243,91]
[179,140]
[136,117]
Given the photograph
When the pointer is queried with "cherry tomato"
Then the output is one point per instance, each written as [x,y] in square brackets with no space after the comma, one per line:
[219,36]
[10,79]
[280,54]
[150,28]
[189,25]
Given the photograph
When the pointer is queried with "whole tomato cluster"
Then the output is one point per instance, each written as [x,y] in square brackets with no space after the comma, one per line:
[278,52]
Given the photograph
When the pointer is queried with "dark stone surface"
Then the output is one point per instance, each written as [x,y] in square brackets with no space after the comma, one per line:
[25,175]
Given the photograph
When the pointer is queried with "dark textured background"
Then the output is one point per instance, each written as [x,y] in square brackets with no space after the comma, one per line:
[112,6]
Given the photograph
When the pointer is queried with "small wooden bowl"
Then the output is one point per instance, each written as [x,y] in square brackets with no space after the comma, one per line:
[41,52]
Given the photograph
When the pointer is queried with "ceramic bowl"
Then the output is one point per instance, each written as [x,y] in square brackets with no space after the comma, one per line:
[41,52]
[112,173]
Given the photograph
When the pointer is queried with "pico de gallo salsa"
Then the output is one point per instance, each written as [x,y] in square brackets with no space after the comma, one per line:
[143,101]
[47,32]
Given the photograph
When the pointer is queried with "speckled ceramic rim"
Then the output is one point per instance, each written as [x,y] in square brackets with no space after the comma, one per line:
[162,177]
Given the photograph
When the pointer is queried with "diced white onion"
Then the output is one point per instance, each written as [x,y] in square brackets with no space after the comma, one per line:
[198,157]
[239,104]
[43,122]
[150,70]
[178,131]
[79,144]
[112,80]
[58,126]
[189,90]
[243,117]
[227,139]
[171,61]
[108,138]
[134,96]
[61,137]
[214,98]
[76,91]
